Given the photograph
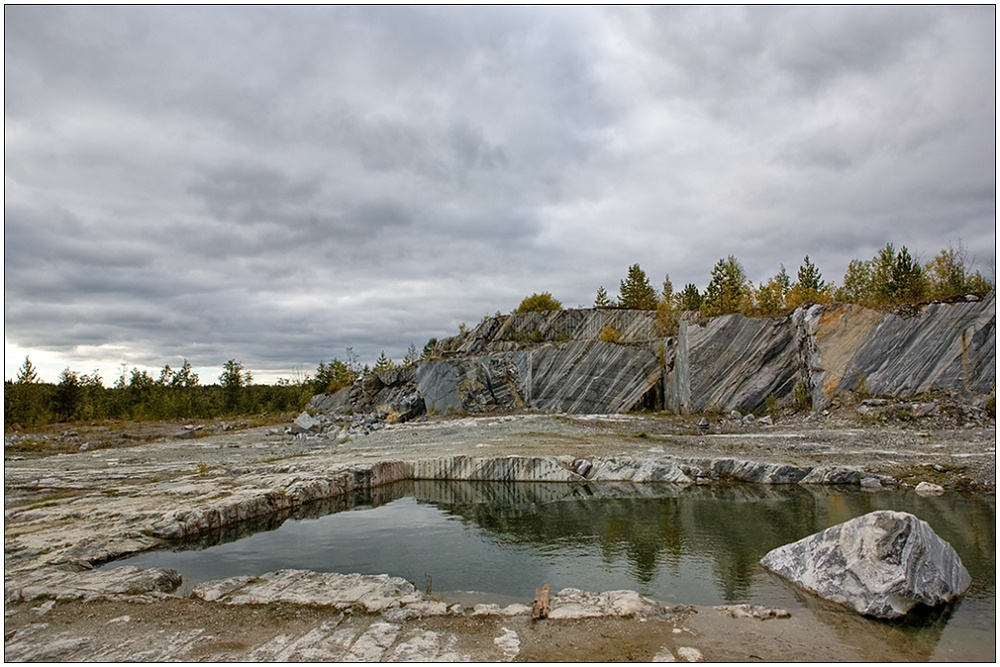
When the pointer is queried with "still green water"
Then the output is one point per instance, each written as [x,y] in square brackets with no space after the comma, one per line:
[691,545]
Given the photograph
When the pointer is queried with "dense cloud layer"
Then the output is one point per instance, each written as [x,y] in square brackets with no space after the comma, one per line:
[276,185]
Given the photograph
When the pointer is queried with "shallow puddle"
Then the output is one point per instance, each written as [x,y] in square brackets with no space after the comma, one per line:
[680,545]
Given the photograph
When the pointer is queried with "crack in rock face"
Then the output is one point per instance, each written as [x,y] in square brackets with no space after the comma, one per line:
[882,564]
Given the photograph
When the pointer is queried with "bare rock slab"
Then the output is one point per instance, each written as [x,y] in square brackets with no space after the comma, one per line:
[882,564]
[372,593]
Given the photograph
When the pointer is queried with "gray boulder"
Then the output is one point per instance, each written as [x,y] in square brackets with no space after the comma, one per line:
[306,423]
[882,564]
[408,407]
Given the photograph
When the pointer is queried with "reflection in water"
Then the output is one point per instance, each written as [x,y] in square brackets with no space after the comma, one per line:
[697,545]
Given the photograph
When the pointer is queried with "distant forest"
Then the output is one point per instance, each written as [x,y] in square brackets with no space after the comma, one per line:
[890,279]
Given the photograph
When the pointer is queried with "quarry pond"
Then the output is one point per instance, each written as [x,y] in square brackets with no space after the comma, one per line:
[678,545]
[73,519]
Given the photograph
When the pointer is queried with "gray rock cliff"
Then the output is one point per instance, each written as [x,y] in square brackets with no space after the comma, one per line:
[557,362]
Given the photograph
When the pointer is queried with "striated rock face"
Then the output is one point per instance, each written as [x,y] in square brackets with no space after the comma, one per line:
[583,377]
[479,384]
[734,362]
[556,361]
[881,564]
[506,469]
[504,333]
[935,346]
[254,503]
[592,377]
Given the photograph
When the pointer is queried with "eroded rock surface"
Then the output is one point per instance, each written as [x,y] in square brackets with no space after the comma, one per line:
[372,593]
[882,564]
[124,582]
[572,603]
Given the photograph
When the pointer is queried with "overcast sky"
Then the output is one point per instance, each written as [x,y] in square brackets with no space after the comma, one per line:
[275,185]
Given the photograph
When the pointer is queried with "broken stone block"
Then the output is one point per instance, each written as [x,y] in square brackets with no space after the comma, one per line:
[929,489]
[882,564]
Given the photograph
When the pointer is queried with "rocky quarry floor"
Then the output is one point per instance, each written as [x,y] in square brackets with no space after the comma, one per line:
[76,498]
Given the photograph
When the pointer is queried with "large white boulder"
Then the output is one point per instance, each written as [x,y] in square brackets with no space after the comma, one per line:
[881,564]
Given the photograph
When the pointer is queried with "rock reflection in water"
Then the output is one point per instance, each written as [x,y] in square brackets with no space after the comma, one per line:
[912,640]
[693,545]
[653,527]
[366,498]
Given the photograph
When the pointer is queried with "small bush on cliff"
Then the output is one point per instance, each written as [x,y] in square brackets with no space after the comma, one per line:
[771,405]
[863,390]
[538,303]
[803,401]
[609,334]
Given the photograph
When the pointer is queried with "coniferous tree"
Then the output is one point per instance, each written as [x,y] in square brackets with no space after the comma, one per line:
[809,286]
[23,402]
[728,291]
[908,283]
[27,373]
[635,292]
[602,300]
[689,298]
[67,395]
[234,378]
[383,363]
[666,316]
[184,377]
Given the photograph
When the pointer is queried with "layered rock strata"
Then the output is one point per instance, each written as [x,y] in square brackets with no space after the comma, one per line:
[558,361]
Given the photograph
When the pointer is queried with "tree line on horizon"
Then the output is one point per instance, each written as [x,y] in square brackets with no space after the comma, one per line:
[890,278]
[174,394]
[137,395]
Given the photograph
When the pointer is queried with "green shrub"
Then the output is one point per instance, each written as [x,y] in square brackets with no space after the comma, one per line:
[803,400]
[538,303]
[863,390]
[609,334]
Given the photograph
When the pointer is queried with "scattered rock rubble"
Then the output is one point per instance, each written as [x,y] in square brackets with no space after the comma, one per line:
[370,617]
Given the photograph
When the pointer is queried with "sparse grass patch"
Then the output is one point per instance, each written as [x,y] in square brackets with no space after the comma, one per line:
[863,390]
[953,477]
[771,405]
[47,500]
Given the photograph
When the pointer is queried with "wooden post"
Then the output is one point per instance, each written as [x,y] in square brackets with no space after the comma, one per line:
[540,607]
